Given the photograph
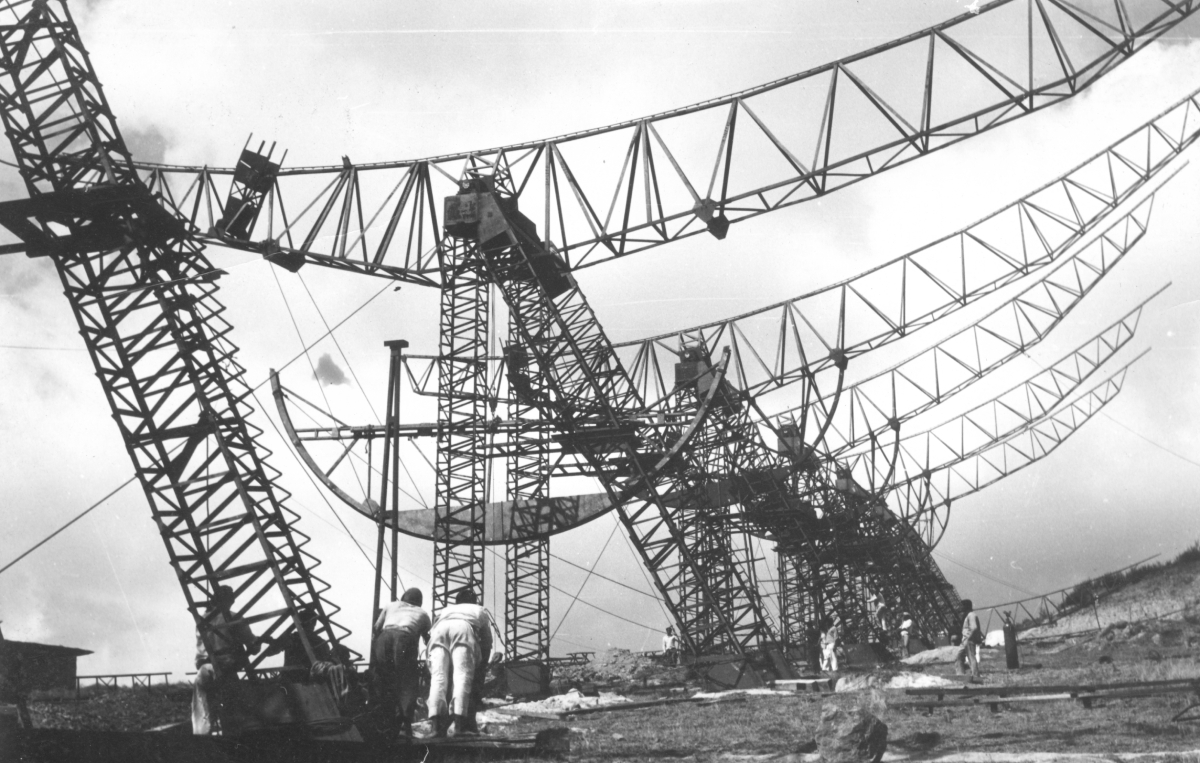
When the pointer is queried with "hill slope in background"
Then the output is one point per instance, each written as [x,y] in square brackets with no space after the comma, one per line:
[1163,592]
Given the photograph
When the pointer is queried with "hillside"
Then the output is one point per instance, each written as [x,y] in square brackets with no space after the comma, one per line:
[1168,593]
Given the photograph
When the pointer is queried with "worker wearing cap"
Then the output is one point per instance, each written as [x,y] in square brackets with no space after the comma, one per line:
[460,644]
[395,675]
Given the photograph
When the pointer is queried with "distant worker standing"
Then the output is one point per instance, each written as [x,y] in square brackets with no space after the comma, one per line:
[906,627]
[459,642]
[395,675]
[831,639]
[972,639]
[670,645]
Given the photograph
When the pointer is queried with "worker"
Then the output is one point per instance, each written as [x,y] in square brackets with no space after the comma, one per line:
[459,643]
[831,639]
[296,662]
[883,618]
[906,627]
[395,676]
[972,640]
[218,654]
[670,643]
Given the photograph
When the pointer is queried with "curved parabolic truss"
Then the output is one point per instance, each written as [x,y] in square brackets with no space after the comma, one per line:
[608,192]
[504,521]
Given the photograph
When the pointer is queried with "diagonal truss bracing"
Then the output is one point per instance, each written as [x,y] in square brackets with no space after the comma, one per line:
[144,296]
[612,191]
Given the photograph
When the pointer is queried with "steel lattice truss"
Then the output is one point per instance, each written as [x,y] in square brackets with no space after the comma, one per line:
[612,191]
[144,296]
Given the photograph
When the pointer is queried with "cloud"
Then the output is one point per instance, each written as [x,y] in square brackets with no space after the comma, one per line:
[328,372]
[20,277]
[147,145]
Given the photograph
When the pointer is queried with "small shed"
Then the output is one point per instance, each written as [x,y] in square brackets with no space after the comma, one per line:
[25,666]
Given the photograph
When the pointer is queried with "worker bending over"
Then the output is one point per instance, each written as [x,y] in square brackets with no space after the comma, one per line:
[395,674]
[460,645]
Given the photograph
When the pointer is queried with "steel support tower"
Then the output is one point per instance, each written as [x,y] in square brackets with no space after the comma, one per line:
[144,297]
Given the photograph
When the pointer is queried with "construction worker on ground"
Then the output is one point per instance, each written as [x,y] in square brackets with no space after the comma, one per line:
[906,627]
[972,640]
[460,646]
[670,645]
[831,639]
[395,675]
[325,666]
[217,658]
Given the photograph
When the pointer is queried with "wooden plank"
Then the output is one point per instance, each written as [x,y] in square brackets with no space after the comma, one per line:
[1048,689]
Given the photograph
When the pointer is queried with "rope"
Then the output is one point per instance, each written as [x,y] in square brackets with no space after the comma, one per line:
[314,484]
[575,598]
[300,338]
[603,577]
[78,517]
[304,352]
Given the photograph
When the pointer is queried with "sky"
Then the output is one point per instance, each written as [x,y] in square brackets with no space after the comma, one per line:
[374,81]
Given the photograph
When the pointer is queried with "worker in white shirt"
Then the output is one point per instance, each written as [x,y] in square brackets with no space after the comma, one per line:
[906,626]
[396,678]
[670,645]
[459,644]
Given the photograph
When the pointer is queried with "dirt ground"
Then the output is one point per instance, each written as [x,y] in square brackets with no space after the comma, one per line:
[1110,644]
[777,726]
[772,727]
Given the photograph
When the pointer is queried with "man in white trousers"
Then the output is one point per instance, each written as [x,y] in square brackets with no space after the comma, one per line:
[461,640]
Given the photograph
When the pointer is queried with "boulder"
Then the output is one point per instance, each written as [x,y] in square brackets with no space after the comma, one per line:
[850,736]
[942,654]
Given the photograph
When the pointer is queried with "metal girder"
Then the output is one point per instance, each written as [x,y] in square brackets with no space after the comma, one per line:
[608,192]
[144,296]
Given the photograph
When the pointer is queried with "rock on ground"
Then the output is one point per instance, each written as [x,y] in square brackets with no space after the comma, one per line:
[943,654]
[850,736]
[905,680]
[561,703]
